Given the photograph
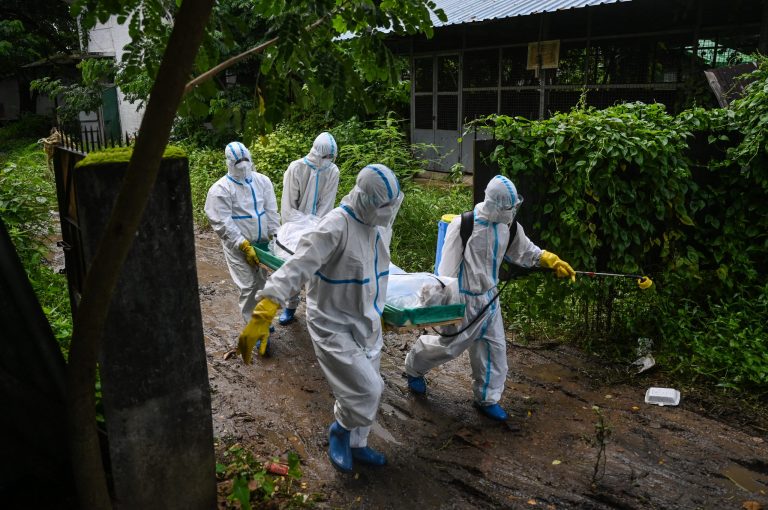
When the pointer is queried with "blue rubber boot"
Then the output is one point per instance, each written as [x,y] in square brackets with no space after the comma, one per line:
[494,412]
[369,456]
[417,384]
[267,352]
[287,316]
[339,452]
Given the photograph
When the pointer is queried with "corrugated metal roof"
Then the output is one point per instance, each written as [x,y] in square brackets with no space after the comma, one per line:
[472,11]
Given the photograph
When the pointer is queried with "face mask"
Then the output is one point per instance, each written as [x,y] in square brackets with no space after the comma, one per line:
[325,163]
[501,213]
[241,169]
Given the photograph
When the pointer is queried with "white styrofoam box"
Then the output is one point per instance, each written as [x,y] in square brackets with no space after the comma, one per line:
[662,396]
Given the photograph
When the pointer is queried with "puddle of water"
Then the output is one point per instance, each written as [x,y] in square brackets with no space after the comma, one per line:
[392,411]
[383,433]
[746,479]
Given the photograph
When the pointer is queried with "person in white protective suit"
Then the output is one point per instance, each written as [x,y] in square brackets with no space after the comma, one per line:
[242,210]
[345,264]
[477,268]
[309,187]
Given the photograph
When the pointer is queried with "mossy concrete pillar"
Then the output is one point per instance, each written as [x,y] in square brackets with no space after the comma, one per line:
[154,375]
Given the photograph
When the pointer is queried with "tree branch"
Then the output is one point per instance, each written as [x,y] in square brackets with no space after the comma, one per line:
[242,56]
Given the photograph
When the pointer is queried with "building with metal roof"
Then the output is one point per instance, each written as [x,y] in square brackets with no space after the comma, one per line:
[532,58]
[463,11]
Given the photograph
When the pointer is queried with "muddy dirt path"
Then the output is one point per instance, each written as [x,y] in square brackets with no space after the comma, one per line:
[443,454]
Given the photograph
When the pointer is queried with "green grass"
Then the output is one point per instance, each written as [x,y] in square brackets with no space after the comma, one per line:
[27,199]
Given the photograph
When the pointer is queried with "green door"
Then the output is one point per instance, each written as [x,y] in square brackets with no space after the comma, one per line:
[111,113]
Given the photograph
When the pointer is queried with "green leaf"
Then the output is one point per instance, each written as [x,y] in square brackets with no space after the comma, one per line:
[339,25]
[241,493]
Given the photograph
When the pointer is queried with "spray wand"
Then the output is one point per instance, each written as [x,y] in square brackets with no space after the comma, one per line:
[642,281]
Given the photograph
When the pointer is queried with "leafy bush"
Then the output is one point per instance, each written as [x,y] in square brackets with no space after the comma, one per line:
[381,141]
[206,166]
[607,191]
[726,341]
[414,239]
[631,189]
[29,126]
[53,295]
[27,197]
[273,153]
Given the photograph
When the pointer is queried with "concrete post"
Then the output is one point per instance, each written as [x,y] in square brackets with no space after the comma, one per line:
[153,367]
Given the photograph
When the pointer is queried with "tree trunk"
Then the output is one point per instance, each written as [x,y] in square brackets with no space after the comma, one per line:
[102,277]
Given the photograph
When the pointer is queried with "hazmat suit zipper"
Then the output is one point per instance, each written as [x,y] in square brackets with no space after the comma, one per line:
[255,206]
[494,276]
[317,188]
[376,274]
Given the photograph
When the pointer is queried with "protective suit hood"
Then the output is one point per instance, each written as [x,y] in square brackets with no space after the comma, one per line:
[376,197]
[324,145]
[238,159]
[501,201]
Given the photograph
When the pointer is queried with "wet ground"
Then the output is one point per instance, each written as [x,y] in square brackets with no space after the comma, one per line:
[443,454]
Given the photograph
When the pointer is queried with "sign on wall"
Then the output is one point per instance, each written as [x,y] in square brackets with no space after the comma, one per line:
[543,55]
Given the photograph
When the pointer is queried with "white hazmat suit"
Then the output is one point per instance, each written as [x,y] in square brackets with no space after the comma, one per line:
[345,263]
[477,270]
[242,206]
[310,185]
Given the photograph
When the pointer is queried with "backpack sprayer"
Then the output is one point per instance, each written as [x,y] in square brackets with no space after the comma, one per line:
[511,272]
[508,272]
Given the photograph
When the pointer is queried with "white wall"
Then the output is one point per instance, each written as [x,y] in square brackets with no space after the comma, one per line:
[110,39]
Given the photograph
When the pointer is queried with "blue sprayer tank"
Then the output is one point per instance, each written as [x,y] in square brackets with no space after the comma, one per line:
[442,228]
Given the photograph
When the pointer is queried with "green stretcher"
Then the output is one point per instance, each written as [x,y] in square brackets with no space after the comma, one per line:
[397,319]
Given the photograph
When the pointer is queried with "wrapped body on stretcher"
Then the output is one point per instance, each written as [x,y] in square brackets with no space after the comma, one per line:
[412,298]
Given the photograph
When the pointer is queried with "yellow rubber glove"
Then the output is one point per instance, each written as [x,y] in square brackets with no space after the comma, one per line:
[562,268]
[257,329]
[250,253]
[644,283]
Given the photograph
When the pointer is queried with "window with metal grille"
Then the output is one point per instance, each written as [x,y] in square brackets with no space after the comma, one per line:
[478,104]
[513,71]
[724,51]
[447,111]
[620,62]
[448,73]
[423,74]
[422,117]
[666,63]
[572,65]
[520,103]
[481,68]
[562,101]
